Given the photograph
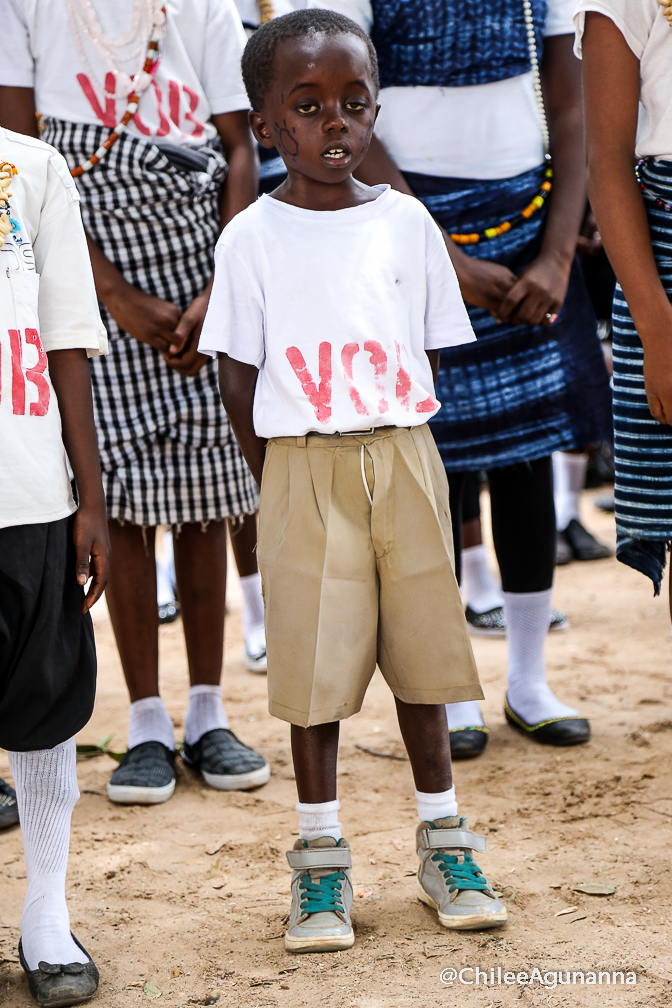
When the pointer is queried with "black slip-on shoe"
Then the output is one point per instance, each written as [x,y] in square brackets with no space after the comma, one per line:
[57,985]
[9,809]
[225,762]
[466,743]
[583,544]
[145,776]
[563,551]
[493,622]
[556,731]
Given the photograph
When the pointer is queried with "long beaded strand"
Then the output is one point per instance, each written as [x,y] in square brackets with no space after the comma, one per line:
[266,11]
[7,222]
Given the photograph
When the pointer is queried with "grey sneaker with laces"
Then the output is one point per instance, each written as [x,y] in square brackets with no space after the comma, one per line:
[450,881]
[319,919]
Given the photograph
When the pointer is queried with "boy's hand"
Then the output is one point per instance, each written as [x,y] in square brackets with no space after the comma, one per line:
[92,547]
[483,283]
[539,291]
[149,319]
[187,360]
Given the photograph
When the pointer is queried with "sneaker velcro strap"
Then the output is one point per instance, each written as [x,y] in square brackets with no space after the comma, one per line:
[436,838]
[320,857]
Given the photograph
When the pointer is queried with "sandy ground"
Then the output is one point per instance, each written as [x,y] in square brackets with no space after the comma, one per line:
[190,896]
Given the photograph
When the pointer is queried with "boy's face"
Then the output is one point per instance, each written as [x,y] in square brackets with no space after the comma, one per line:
[321,108]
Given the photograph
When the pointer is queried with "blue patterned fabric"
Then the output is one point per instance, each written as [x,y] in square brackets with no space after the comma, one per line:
[453,43]
[642,446]
[519,392]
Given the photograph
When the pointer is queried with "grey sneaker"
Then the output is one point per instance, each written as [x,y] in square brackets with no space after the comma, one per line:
[450,881]
[319,920]
[145,776]
[9,809]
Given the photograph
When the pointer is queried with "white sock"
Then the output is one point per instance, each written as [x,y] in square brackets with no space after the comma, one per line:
[527,618]
[319,819]
[436,806]
[253,614]
[46,791]
[205,712]
[466,714]
[479,588]
[165,572]
[569,479]
[148,721]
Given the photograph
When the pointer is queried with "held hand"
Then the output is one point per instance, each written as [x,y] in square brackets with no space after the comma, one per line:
[149,319]
[538,292]
[658,377]
[482,283]
[92,548]
[188,361]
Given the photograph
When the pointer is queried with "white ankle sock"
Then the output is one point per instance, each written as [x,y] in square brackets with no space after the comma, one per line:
[253,614]
[527,618]
[479,587]
[320,819]
[436,806]
[466,714]
[205,712]
[148,721]
[46,790]
[569,478]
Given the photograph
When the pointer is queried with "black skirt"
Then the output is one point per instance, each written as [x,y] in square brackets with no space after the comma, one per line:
[47,648]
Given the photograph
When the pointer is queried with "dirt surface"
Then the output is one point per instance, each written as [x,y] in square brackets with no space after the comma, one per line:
[190,896]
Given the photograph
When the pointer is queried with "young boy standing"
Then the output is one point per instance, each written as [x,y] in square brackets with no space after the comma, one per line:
[49,545]
[330,302]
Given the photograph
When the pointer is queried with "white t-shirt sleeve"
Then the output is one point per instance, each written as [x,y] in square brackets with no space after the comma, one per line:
[559,18]
[234,322]
[633,18]
[68,307]
[220,75]
[446,319]
[358,11]
[17,65]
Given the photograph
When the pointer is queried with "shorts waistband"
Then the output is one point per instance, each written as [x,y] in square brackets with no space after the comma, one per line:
[344,440]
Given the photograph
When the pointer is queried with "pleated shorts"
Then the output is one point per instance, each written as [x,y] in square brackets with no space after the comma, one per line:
[356,559]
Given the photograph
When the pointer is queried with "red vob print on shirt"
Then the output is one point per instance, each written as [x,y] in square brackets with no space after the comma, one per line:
[22,374]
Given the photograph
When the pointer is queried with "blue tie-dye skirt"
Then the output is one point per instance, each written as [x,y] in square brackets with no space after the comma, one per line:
[642,446]
[519,392]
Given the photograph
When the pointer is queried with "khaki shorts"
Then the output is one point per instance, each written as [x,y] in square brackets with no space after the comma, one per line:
[356,558]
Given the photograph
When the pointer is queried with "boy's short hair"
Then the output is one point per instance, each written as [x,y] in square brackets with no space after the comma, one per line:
[258,62]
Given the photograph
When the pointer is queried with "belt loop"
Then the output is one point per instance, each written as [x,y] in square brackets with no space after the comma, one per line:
[301,441]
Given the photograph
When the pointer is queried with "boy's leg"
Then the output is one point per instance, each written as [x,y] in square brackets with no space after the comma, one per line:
[449,879]
[200,568]
[243,535]
[46,787]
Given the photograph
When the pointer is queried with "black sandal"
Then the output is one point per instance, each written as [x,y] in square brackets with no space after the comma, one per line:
[58,985]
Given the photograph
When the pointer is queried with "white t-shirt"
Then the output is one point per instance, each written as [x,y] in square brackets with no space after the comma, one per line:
[47,302]
[336,309]
[198,74]
[649,36]
[482,131]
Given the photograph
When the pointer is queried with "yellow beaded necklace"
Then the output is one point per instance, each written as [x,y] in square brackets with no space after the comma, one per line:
[266,11]
[667,10]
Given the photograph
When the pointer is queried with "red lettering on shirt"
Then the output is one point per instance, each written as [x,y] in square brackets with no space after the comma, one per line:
[403,381]
[427,405]
[18,381]
[379,361]
[193,105]
[347,353]
[174,101]
[320,399]
[109,116]
[164,125]
[35,374]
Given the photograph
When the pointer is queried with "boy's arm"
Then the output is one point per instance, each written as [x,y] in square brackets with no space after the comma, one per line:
[69,372]
[18,110]
[237,382]
[433,357]
[611,88]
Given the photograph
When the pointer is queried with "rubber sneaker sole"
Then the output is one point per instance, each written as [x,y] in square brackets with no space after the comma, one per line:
[328,943]
[258,665]
[238,782]
[125,794]
[463,922]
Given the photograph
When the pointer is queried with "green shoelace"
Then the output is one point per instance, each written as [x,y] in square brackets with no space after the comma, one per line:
[323,894]
[460,876]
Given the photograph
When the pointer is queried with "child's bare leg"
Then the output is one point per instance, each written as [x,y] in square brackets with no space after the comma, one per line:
[200,569]
[315,755]
[424,729]
[243,534]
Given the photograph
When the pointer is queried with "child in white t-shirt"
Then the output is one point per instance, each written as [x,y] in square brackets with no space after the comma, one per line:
[330,303]
[49,545]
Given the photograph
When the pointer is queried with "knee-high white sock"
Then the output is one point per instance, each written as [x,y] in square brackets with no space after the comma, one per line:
[253,614]
[205,712]
[46,791]
[436,806]
[569,478]
[319,819]
[479,588]
[148,721]
[527,618]
[466,714]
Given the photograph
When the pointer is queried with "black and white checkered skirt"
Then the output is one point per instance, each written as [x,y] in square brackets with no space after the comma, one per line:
[167,451]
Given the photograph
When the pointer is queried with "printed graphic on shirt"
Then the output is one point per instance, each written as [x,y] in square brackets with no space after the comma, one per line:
[165,102]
